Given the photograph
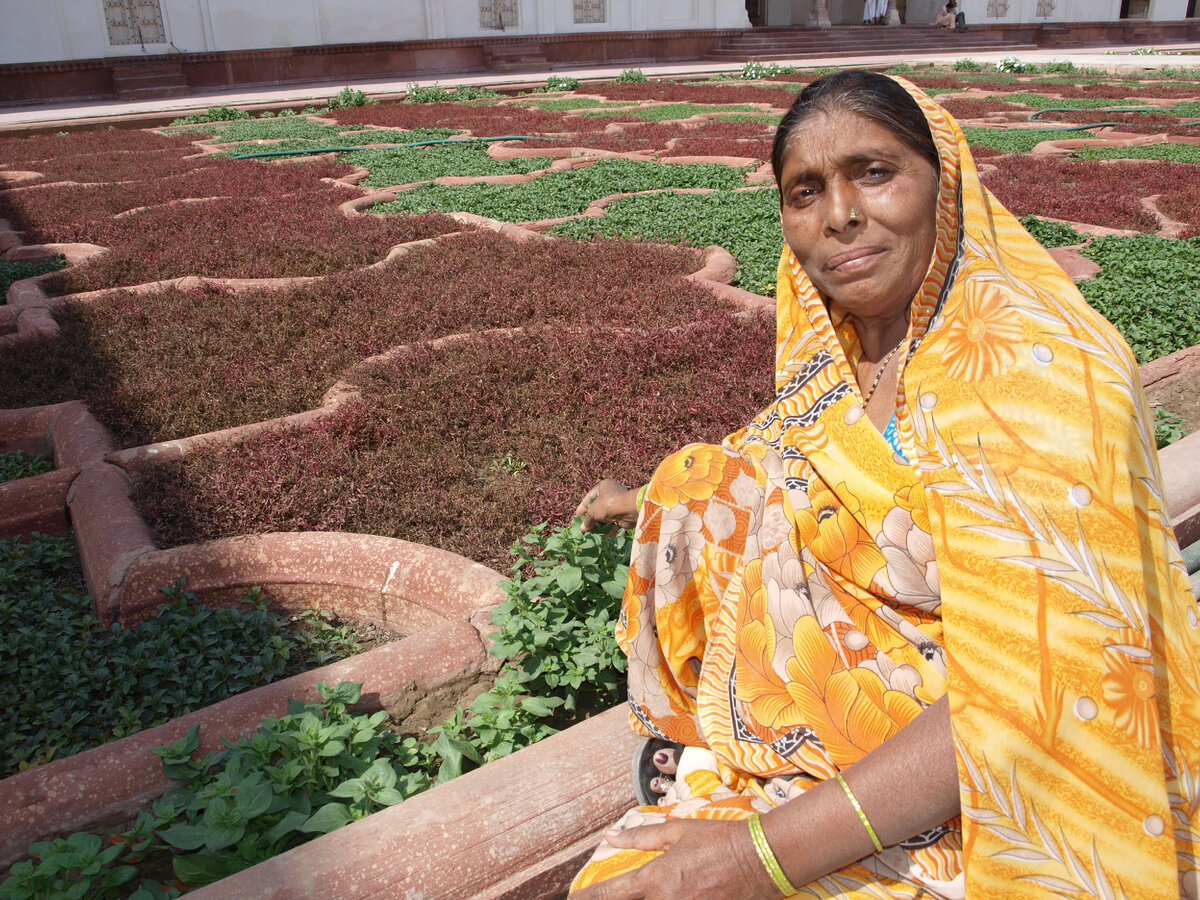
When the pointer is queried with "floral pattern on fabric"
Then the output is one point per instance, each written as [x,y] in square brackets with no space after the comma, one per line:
[1016,555]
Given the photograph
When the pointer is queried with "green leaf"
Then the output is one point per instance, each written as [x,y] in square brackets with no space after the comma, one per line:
[185,837]
[202,868]
[329,817]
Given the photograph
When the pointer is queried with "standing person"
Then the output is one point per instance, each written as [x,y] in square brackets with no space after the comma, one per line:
[921,627]
[873,12]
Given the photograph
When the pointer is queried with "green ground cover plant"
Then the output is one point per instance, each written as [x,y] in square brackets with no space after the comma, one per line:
[16,271]
[1042,101]
[1015,140]
[324,764]
[631,76]
[350,97]
[72,684]
[1168,427]
[17,464]
[212,114]
[389,167]
[304,128]
[746,223]
[1150,289]
[672,111]
[566,104]
[1052,234]
[561,193]
[435,93]
[1181,153]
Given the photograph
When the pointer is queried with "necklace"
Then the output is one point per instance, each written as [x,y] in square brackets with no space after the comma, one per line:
[879,374]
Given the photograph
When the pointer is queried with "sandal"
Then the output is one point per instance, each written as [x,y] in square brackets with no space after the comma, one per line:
[644,769]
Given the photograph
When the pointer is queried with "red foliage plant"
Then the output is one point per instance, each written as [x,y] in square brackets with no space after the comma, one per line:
[256,237]
[1139,123]
[977,108]
[174,363]
[1080,191]
[421,456]
[19,152]
[66,212]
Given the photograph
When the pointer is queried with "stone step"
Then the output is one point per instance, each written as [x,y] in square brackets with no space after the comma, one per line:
[150,81]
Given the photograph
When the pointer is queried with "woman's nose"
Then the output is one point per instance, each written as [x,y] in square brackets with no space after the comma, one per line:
[843,210]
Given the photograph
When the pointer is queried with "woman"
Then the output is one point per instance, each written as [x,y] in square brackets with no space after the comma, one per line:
[873,12]
[921,626]
[946,18]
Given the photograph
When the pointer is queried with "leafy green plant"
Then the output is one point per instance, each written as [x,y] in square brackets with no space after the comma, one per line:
[555,633]
[1052,234]
[509,462]
[72,684]
[15,271]
[1011,65]
[560,83]
[1183,153]
[1149,288]
[629,76]
[1012,140]
[347,97]
[213,114]
[966,65]
[1058,67]
[435,93]
[746,223]
[1168,427]
[754,70]
[413,164]
[561,193]
[670,111]
[307,773]
[15,464]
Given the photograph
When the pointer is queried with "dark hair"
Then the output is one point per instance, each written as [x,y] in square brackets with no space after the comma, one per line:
[873,96]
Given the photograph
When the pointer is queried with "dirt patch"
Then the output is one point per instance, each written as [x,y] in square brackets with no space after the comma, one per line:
[415,714]
[1182,397]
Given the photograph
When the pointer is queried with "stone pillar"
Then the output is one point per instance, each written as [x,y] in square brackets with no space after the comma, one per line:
[893,14]
[819,16]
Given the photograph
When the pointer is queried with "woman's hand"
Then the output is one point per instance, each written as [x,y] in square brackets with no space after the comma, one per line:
[710,859]
[608,503]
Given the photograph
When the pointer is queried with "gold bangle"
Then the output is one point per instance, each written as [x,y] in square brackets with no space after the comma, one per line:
[767,857]
[641,497]
[862,816]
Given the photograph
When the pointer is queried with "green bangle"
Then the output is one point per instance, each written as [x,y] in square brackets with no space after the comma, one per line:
[767,857]
[641,497]
[862,816]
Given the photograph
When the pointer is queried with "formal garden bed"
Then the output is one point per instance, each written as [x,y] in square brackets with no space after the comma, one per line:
[471,386]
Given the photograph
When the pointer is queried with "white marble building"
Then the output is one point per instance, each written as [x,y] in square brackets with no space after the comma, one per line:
[37,31]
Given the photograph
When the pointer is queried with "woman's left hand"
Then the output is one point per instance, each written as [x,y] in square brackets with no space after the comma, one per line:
[710,859]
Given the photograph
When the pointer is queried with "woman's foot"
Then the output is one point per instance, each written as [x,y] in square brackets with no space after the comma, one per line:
[654,763]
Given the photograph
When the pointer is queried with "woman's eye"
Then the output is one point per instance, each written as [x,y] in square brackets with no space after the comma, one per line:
[878,173]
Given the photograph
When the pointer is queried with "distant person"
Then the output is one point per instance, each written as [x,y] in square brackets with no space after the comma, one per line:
[946,18]
[873,12]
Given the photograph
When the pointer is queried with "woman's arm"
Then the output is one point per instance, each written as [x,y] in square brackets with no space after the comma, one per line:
[906,786]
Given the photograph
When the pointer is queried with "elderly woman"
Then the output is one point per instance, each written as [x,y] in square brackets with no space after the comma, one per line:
[922,626]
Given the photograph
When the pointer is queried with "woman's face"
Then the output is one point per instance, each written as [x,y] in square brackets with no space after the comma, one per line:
[869,265]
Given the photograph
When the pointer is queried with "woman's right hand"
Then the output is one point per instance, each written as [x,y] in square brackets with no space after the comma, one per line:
[609,503]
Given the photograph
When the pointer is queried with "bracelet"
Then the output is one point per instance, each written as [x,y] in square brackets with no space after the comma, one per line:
[767,857]
[641,497]
[862,816]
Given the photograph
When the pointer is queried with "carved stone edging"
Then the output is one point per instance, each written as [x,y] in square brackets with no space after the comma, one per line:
[73,437]
[109,783]
[519,827]
[1180,463]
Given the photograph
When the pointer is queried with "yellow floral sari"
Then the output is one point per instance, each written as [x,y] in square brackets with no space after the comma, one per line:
[800,593]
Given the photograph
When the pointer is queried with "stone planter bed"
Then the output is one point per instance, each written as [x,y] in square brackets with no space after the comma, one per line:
[457,384]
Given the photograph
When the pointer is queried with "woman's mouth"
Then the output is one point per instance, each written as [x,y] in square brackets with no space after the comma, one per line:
[853,260]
